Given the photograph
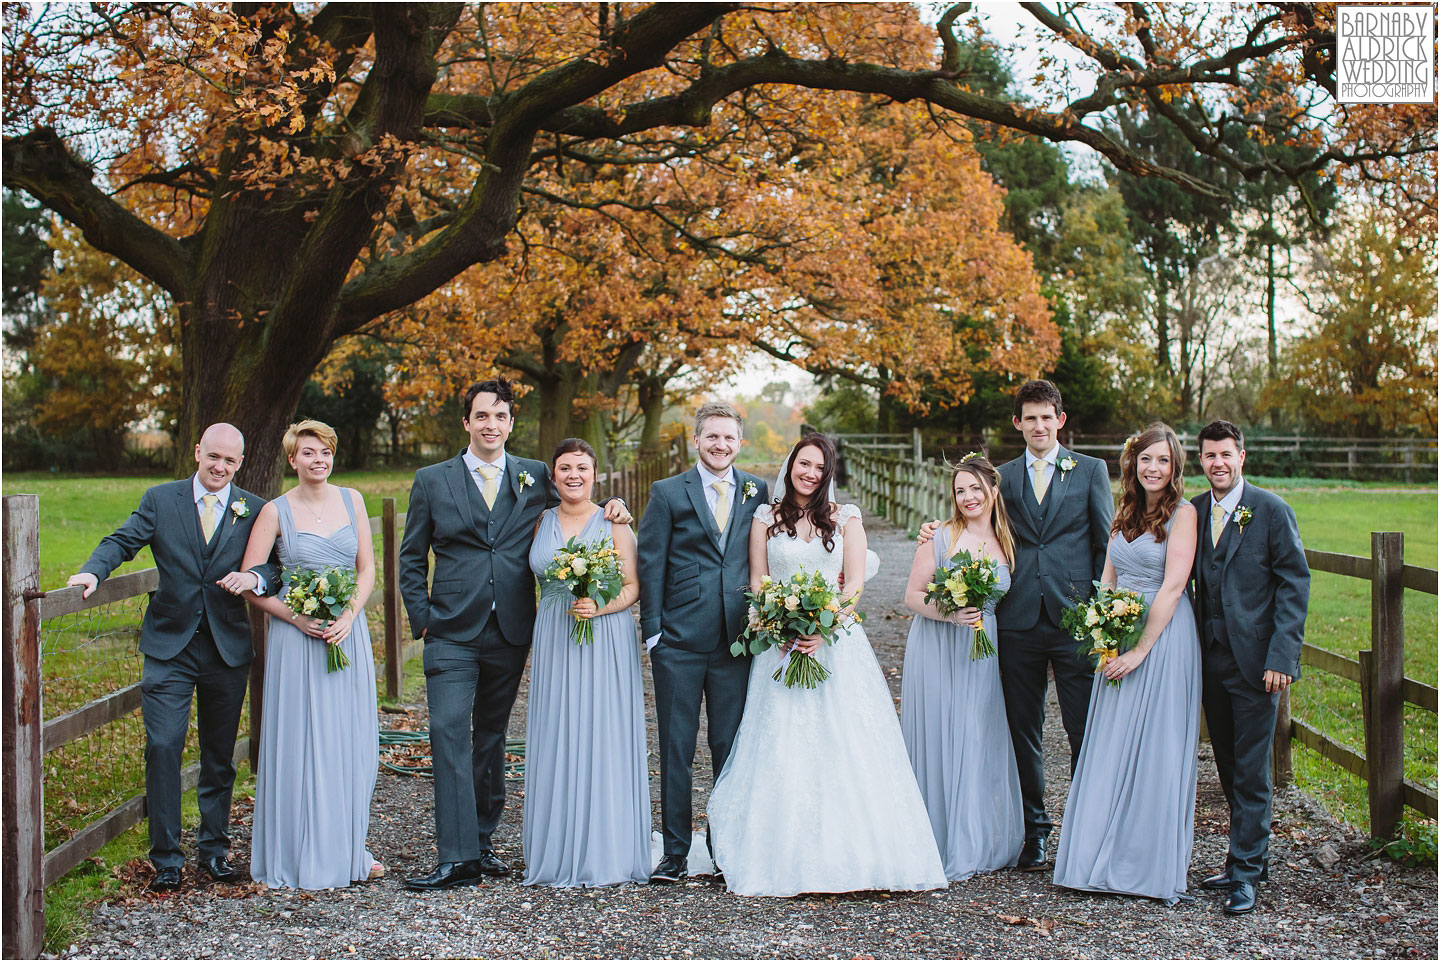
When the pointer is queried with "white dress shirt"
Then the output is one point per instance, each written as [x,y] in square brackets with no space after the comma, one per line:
[472,461]
[1228,503]
[1049,458]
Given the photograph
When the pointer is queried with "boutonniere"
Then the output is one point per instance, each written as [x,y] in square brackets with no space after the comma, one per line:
[525,479]
[1066,465]
[748,491]
[239,509]
[1243,517]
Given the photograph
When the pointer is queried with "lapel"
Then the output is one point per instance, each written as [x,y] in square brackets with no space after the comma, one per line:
[1059,487]
[190,521]
[696,491]
[458,477]
[1230,537]
[1015,486]
[225,523]
[735,505]
[513,467]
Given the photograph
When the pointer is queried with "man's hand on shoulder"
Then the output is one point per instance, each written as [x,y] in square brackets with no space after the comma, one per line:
[927,531]
[84,580]
[617,513]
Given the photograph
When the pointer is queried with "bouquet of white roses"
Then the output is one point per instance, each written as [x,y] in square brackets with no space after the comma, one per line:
[1108,625]
[966,582]
[325,594]
[590,569]
[781,612]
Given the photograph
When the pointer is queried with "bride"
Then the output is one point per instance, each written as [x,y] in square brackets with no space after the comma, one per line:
[818,794]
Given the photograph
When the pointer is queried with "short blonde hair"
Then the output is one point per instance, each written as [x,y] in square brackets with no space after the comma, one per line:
[318,430]
[718,409]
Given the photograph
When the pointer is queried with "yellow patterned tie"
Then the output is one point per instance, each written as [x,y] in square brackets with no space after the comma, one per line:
[491,476]
[207,516]
[722,503]
[1040,484]
[1217,524]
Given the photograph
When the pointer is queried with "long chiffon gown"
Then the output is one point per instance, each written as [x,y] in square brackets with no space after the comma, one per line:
[952,712]
[320,743]
[587,794]
[817,795]
[1130,820]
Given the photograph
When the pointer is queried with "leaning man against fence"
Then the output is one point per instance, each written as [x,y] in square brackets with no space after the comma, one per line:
[196,641]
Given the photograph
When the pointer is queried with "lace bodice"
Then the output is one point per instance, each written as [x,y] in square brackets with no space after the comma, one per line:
[788,554]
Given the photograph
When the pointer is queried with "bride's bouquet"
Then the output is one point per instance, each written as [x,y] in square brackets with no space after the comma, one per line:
[966,582]
[1108,625]
[322,594]
[590,569]
[783,611]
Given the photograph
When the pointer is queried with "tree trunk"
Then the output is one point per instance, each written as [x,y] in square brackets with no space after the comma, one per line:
[557,394]
[1272,347]
[652,407]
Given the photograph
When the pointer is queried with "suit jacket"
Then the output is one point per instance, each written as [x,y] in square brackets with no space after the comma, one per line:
[1060,544]
[1263,582]
[167,521]
[692,593]
[480,562]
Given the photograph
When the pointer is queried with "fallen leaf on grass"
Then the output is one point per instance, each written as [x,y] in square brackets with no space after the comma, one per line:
[1044,926]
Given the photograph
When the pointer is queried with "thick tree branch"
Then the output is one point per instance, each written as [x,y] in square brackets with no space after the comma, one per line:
[40,164]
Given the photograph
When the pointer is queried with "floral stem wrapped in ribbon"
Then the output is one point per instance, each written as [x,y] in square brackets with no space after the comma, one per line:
[966,581]
[589,569]
[1107,626]
[782,612]
[323,594]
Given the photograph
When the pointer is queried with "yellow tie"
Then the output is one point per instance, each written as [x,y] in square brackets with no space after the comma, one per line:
[722,504]
[1040,484]
[207,516]
[1217,524]
[491,486]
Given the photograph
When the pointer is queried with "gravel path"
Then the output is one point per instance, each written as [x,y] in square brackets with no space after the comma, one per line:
[1326,899]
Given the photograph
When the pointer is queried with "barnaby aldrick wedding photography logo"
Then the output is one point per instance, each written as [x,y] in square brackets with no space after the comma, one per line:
[1384,54]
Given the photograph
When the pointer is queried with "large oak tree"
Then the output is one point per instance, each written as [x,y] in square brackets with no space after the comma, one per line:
[289,174]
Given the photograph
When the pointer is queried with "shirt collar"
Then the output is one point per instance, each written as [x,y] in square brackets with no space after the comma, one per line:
[708,479]
[1231,500]
[198,490]
[1049,457]
[472,462]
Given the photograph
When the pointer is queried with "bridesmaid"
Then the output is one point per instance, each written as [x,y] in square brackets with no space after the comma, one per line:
[319,746]
[1129,822]
[587,797]
[952,710]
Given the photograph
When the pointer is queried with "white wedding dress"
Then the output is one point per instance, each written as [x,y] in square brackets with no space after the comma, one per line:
[818,794]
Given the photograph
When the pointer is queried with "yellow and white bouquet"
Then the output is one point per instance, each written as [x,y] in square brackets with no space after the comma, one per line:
[783,611]
[1108,625]
[966,581]
[325,595]
[589,569]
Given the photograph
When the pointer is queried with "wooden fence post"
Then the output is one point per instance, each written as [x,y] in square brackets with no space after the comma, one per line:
[258,627]
[1383,690]
[21,756]
[390,600]
[1282,767]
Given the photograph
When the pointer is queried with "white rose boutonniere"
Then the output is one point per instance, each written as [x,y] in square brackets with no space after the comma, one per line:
[239,509]
[1243,517]
[526,480]
[748,491]
[1066,465]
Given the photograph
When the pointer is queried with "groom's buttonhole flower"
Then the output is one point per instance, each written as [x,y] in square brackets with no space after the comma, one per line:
[748,491]
[1066,465]
[239,508]
[525,479]
[1243,517]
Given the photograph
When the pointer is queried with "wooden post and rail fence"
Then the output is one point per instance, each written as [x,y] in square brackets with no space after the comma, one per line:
[28,736]
[908,492]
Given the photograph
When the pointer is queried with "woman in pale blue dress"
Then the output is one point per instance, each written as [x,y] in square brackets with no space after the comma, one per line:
[952,710]
[587,794]
[319,741]
[1130,819]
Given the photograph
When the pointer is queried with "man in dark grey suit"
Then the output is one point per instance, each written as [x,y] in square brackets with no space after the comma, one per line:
[1060,509]
[477,514]
[196,642]
[694,569]
[1252,592]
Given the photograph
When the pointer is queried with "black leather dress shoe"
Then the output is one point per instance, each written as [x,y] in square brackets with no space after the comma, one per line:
[447,875]
[1241,899]
[166,879]
[492,864]
[672,868]
[220,869]
[1032,855]
[1218,883]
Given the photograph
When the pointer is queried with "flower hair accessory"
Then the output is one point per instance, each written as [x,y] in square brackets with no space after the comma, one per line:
[971,456]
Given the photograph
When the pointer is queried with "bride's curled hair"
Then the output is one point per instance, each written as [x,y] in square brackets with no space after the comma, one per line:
[792,507]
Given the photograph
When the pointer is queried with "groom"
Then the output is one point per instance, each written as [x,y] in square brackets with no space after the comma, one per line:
[1252,590]
[694,569]
[196,642]
[476,513]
